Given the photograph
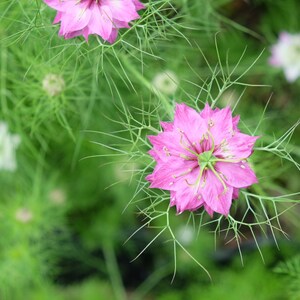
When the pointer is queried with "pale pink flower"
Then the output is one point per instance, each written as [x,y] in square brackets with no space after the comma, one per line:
[286,55]
[102,17]
[202,159]
[24,215]
[57,196]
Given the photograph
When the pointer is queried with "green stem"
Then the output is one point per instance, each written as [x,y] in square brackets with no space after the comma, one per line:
[167,106]
[113,271]
[3,71]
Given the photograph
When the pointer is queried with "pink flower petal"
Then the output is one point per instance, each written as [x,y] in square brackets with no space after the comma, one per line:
[189,124]
[238,146]
[206,112]
[235,193]
[235,121]
[71,34]
[75,19]
[185,199]
[208,209]
[285,37]
[168,144]
[101,21]
[61,5]
[57,17]
[174,174]
[215,196]
[138,5]
[220,124]
[122,10]
[238,175]
[120,24]
[167,126]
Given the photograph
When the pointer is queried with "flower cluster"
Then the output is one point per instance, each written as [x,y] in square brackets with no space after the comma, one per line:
[286,55]
[102,17]
[202,159]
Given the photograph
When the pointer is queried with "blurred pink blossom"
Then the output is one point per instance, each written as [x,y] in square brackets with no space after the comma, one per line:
[24,215]
[286,55]
[102,17]
[201,159]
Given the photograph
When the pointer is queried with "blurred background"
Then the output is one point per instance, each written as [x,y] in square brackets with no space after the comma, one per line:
[73,119]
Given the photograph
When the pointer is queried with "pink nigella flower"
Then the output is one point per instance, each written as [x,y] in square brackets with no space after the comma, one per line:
[286,55]
[102,17]
[202,159]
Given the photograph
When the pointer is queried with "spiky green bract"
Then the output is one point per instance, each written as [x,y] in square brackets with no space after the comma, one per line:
[260,210]
[52,123]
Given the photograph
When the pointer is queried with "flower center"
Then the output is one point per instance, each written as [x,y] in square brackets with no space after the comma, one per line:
[206,159]
[90,2]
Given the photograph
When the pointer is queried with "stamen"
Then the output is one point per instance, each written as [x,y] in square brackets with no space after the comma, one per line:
[189,184]
[228,160]
[219,177]
[213,142]
[81,13]
[186,148]
[198,180]
[186,137]
[223,176]
[166,150]
[189,170]
[204,180]
[185,156]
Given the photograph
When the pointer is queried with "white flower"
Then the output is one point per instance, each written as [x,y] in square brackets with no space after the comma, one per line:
[166,82]
[185,235]
[53,84]
[8,145]
[286,54]
[123,172]
[57,196]
[24,215]
[229,98]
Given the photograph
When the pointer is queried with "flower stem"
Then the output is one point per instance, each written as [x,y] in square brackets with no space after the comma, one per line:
[113,271]
[167,106]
